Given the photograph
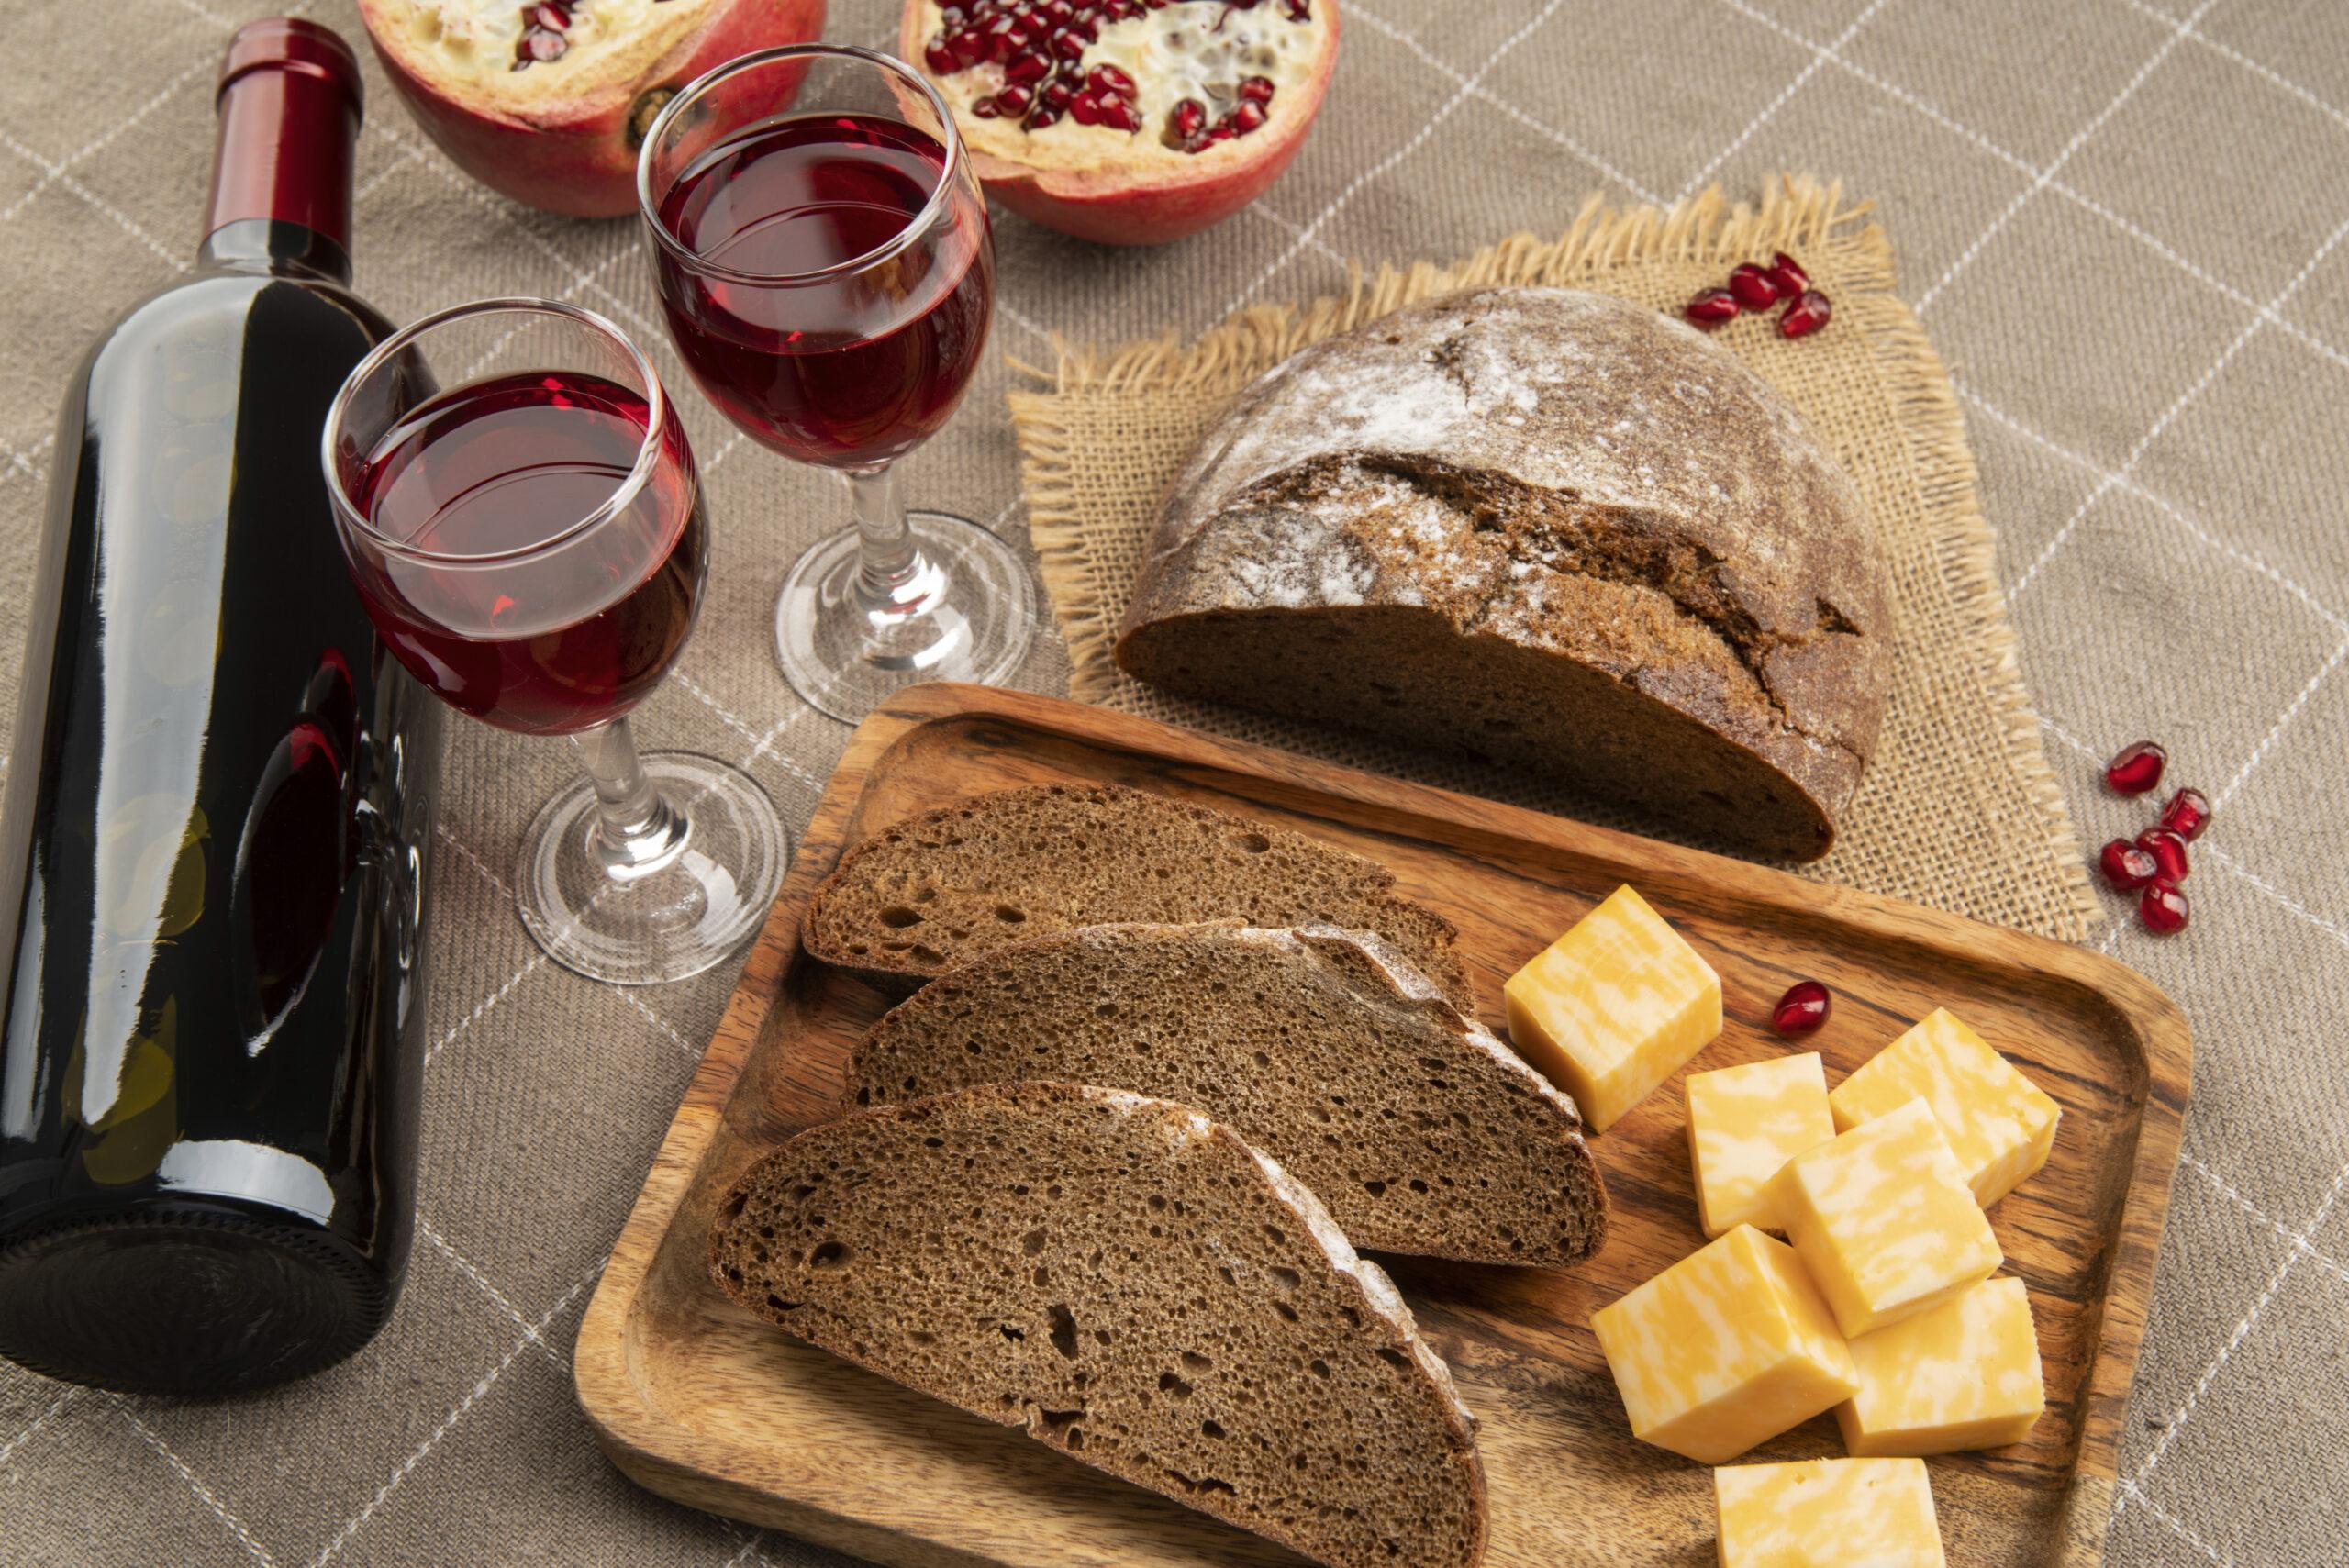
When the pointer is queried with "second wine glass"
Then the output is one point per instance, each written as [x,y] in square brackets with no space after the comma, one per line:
[825,261]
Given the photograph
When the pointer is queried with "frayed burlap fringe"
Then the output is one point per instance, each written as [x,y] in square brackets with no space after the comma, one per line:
[1606,247]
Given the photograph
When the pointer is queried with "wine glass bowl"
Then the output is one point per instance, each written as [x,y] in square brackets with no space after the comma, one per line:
[828,274]
[522,517]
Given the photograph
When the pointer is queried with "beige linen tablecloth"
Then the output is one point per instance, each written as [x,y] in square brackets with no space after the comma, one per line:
[2122,222]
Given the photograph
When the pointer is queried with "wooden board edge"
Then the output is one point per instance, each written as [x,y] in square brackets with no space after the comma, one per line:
[602,1376]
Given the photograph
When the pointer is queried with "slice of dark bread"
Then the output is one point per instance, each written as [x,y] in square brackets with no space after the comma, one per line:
[1132,1285]
[940,889]
[1324,1047]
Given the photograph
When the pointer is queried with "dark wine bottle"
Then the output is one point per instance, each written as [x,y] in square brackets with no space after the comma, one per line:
[218,820]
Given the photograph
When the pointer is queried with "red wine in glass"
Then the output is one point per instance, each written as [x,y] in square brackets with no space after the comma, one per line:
[559,621]
[847,368]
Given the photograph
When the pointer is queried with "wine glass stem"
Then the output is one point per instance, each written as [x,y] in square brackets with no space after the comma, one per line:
[637,829]
[889,569]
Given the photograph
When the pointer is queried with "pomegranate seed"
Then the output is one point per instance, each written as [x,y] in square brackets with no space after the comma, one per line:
[1029,66]
[2168,851]
[553,16]
[1221,131]
[1013,98]
[2128,867]
[969,44]
[1118,115]
[1057,12]
[1189,115]
[985,108]
[1300,10]
[2136,767]
[1712,307]
[2187,813]
[1067,44]
[1056,94]
[2162,909]
[1043,115]
[1109,81]
[1787,276]
[940,58]
[1807,314]
[1256,89]
[1802,1009]
[1084,109]
[1753,287]
[544,44]
[951,15]
[1247,117]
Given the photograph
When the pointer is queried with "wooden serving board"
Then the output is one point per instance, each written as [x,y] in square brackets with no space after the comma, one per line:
[698,1400]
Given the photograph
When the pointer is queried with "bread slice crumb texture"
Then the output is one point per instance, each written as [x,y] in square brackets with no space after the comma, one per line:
[944,887]
[1128,1282]
[1421,1129]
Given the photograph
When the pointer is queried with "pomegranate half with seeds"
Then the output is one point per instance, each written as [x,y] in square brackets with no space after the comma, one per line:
[548,100]
[1127,121]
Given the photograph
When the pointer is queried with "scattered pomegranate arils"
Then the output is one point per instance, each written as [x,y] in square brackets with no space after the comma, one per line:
[2187,813]
[1187,120]
[1256,89]
[985,108]
[1809,313]
[938,56]
[2168,851]
[2127,866]
[1109,81]
[1711,308]
[2162,909]
[1246,118]
[1012,98]
[1118,115]
[1802,1009]
[1753,287]
[2136,767]
[1056,96]
[1025,68]
[1043,113]
[1787,275]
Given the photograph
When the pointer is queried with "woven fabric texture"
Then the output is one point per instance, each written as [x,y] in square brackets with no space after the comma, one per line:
[2121,222]
[1960,754]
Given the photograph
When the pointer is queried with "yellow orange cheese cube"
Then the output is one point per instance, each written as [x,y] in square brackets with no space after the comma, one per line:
[1884,1221]
[1998,1122]
[1744,1123]
[1614,1008]
[1827,1513]
[1965,1374]
[1728,1348]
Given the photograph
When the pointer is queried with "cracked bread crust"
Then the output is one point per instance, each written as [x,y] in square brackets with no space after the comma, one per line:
[1541,525]
[1130,1284]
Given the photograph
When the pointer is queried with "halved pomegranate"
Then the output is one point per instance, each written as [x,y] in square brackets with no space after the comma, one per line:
[1127,121]
[548,100]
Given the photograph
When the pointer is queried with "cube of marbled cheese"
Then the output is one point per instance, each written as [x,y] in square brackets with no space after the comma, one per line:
[1614,1007]
[1827,1513]
[1965,1374]
[1744,1123]
[1884,1221]
[1728,1348]
[1999,1124]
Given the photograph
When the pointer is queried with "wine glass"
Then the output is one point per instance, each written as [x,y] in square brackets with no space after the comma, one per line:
[824,259]
[523,519]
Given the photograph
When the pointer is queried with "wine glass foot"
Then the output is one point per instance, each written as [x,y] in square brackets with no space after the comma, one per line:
[968,614]
[675,916]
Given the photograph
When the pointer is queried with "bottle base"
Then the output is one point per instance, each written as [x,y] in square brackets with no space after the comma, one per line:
[184,1300]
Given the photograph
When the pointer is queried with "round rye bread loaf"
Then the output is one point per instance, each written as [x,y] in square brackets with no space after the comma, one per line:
[1544,527]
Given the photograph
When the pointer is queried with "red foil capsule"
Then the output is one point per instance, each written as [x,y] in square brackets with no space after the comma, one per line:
[1802,1009]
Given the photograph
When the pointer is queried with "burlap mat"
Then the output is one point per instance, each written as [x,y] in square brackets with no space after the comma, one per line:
[1958,809]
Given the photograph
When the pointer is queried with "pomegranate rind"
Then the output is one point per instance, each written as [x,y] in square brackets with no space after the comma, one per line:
[551,141]
[1151,199]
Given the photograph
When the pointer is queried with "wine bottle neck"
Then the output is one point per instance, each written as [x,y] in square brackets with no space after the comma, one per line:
[289,106]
